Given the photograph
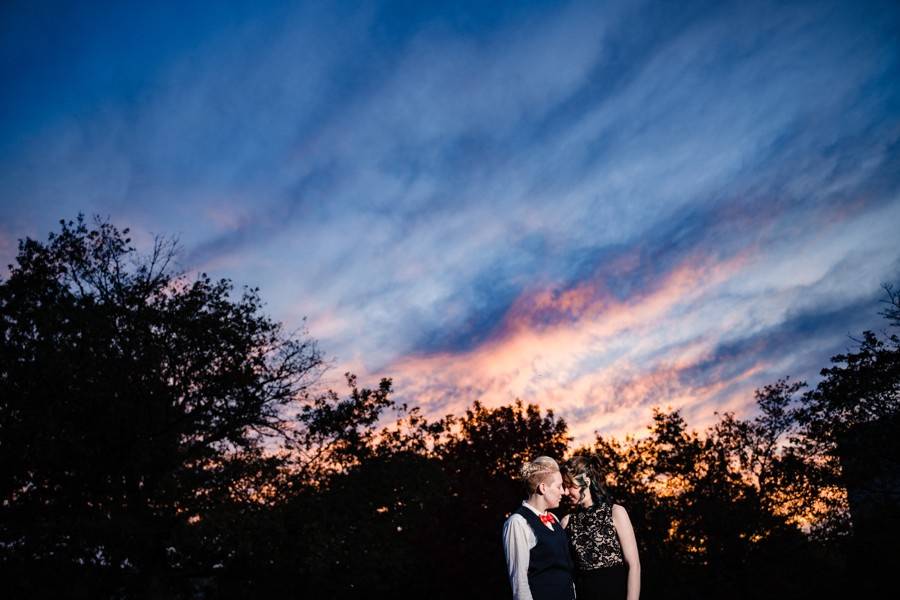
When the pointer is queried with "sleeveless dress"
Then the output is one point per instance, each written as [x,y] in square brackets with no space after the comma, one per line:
[600,569]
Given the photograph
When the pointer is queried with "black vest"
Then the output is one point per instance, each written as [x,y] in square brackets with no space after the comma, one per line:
[550,564]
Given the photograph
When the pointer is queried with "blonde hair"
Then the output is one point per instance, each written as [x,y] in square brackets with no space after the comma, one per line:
[534,473]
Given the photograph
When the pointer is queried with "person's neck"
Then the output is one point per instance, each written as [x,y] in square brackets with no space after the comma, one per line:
[587,502]
[537,502]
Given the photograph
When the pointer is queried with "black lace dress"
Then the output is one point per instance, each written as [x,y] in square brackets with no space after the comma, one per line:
[600,572]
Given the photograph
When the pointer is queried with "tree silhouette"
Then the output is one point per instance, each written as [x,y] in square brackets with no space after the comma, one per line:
[849,433]
[482,461]
[134,401]
[161,438]
[723,513]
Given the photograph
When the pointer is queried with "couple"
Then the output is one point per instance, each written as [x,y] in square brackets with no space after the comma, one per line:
[597,535]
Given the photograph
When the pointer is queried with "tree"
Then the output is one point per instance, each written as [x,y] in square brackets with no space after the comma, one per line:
[482,458]
[337,434]
[134,402]
[720,513]
[355,515]
[849,434]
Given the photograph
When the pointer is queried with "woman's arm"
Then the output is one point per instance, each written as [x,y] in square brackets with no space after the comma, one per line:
[518,540]
[629,549]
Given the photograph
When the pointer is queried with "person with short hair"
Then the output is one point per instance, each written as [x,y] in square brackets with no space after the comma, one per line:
[536,547]
[600,535]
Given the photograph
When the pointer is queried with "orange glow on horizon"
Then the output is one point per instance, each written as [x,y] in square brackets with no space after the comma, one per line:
[559,350]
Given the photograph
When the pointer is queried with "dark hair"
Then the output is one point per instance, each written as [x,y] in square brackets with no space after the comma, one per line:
[590,466]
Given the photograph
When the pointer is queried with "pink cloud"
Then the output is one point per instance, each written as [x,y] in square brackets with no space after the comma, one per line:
[554,349]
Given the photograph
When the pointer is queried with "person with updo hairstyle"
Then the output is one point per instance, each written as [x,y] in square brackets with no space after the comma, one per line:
[600,536]
[535,545]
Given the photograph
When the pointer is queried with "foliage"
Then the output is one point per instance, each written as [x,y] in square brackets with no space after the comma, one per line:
[161,437]
[134,403]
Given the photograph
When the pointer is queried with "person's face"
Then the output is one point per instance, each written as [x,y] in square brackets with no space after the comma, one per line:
[553,490]
[578,494]
[573,491]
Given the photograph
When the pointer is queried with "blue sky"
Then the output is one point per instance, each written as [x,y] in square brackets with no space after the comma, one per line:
[600,207]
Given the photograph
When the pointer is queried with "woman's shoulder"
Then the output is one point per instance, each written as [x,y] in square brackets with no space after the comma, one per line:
[515,519]
[619,513]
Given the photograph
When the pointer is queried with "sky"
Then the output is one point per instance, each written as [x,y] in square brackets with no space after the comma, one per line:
[598,207]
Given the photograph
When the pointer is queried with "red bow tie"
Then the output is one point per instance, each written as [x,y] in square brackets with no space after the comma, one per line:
[547,518]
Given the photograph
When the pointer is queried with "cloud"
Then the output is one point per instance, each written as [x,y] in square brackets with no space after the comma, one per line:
[521,360]
[693,336]
[594,207]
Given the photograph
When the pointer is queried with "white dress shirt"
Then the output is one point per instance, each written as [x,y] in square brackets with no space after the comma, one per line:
[518,540]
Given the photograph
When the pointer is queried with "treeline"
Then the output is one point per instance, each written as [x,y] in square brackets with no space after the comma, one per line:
[160,437]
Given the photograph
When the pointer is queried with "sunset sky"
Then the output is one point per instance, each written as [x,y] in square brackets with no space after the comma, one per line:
[599,207]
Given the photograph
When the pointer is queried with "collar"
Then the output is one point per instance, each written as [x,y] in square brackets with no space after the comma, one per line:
[537,512]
